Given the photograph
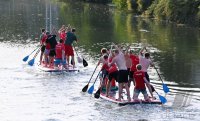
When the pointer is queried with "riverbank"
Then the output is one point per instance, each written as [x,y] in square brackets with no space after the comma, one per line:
[179,11]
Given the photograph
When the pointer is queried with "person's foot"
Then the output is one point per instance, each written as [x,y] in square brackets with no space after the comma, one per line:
[118,99]
[129,99]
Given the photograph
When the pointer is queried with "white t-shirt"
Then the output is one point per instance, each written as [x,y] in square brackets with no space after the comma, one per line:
[144,62]
[120,61]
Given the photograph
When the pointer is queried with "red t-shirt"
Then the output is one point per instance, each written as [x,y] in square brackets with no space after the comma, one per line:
[59,48]
[113,67]
[139,79]
[135,61]
[43,38]
[105,66]
[63,36]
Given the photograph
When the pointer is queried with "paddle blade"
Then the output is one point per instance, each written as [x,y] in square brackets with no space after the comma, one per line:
[97,94]
[162,99]
[25,58]
[85,63]
[165,88]
[85,88]
[31,62]
[91,89]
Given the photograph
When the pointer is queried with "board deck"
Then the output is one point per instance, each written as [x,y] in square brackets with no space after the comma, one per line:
[52,69]
[125,102]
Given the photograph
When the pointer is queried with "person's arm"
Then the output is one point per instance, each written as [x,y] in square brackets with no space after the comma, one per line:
[113,61]
[142,50]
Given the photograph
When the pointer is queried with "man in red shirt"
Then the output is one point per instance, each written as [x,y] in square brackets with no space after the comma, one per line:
[140,81]
[60,54]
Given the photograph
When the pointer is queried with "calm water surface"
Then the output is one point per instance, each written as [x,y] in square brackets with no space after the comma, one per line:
[27,94]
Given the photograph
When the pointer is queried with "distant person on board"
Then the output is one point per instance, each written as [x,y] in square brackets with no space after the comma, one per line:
[47,50]
[62,33]
[140,81]
[60,55]
[145,63]
[112,72]
[51,39]
[43,38]
[71,37]
[128,63]
[120,61]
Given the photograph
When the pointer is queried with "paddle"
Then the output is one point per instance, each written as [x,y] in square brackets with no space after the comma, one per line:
[91,89]
[86,86]
[26,58]
[97,94]
[162,99]
[165,88]
[85,63]
[31,62]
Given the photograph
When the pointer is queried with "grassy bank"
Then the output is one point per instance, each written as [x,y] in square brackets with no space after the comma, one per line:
[179,11]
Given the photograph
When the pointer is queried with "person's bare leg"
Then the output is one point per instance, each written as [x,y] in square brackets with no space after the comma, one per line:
[41,57]
[73,61]
[120,91]
[108,88]
[127,91]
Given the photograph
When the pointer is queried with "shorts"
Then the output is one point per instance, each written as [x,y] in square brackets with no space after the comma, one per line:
[147,76]
[143,91]
[43,48]
[52,53]
[59,61]
[47,51]
[113,75]
[69,50]
[131,75]
[122,76]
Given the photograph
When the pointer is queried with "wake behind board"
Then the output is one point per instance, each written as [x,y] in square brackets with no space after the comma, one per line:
[52,69]
[125,102]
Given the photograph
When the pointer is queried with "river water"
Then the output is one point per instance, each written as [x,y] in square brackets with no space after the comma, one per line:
[27,94]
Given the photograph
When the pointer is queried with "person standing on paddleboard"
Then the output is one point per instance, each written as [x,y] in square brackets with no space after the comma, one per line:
[52,41]
[120,61]
[145,63]
[140,81]
[71,37]
[43,38]
[60,55]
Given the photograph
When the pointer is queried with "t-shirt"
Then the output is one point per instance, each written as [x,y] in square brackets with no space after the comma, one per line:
[59,48]
[135,61]
[52,41]
[62,36]
[113,67]
[71,37]
[144,62]
[139,79]
[43,38]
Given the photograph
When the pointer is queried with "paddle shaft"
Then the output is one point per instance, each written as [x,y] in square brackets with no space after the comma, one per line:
[37,53]
[93,73]
[96,77]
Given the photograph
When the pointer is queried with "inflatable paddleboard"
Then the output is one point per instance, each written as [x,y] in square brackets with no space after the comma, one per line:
[112,99]
[52,69]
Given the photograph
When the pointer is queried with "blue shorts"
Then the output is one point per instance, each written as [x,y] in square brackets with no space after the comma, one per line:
[60,61]
[143,91]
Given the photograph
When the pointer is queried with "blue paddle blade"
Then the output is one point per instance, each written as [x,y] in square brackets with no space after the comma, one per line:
[90,91]
[25,58]
[31,62]
[162,99]
[165,88]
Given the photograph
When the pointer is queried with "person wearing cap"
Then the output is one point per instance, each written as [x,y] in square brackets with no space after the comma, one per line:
[71,37]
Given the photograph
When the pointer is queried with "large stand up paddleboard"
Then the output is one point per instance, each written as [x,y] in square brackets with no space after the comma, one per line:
[53,69]
[112,98]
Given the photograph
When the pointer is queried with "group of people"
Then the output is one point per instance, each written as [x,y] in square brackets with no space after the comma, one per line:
[57,54]
[125,67]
